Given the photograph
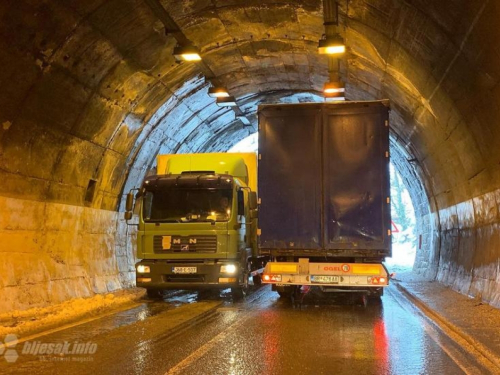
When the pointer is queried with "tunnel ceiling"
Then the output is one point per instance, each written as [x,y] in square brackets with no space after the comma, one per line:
[91,92]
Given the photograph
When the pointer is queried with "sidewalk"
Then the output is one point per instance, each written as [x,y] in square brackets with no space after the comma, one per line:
[28,322]
[475,322]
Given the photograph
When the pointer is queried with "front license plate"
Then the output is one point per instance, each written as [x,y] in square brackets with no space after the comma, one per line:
[325,279]
[184,269]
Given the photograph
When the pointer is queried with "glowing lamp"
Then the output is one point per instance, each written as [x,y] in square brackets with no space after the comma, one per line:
[186,53]
[229,101]
[333,88]
[218,92]
[331,46]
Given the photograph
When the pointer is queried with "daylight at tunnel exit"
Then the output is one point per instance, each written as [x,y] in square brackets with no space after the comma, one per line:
[249,187]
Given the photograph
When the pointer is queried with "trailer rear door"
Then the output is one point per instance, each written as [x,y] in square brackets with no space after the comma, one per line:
[290,178]
[356,189]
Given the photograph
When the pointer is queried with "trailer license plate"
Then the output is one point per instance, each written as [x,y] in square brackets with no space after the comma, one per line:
[184,269]
[325,279]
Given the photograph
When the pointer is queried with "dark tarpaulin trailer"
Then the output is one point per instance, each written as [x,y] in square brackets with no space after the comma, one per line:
[323,179]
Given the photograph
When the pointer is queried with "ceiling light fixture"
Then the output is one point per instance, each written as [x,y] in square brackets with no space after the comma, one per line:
[333,88]
[218,92]
[331,46]
[228,101]
[186,53]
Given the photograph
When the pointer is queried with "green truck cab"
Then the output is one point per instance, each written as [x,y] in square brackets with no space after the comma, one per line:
[197,224]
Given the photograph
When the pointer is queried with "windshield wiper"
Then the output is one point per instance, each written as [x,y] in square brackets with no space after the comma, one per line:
[207,220]
[197,220]
[169,220]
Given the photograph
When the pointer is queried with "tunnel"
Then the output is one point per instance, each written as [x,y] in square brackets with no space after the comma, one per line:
[91,94]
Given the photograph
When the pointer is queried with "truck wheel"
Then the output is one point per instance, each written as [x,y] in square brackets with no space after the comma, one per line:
[257,280]
[240,292]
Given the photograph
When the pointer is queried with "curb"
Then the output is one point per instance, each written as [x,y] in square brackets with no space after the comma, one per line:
[441,322]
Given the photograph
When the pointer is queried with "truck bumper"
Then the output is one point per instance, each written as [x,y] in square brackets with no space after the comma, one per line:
[340,276]
[166,275]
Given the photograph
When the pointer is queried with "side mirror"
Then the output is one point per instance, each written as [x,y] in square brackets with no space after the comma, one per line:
[241,203]
[252,200]
[129,205]
[128,215]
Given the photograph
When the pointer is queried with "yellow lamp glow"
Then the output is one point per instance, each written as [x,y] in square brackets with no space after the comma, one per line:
[218,92]
[187,53]
[331,46]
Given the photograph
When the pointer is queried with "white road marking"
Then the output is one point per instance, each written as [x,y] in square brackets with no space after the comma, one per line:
[204,349]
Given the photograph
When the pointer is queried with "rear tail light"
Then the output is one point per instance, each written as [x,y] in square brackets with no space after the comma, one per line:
[271,278]
[377,280]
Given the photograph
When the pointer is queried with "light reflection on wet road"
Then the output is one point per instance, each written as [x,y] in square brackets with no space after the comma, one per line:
[261,335]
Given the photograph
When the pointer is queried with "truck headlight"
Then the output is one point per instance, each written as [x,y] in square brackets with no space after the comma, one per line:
[228,268]
[143,269]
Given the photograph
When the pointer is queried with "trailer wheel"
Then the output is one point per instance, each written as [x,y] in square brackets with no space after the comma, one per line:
[257,280]
[364,300]
[376,295]
[286,291]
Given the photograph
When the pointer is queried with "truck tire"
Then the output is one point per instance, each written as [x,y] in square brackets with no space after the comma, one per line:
[287,291]
[240,292]
[376,295]
[257,280]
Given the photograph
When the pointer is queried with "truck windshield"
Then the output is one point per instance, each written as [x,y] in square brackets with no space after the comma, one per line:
[183,205]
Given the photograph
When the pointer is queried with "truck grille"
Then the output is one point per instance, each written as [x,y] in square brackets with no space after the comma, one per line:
[184,278]
[185,244]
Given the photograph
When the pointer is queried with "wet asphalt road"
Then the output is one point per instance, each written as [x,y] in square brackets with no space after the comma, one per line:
[261,335]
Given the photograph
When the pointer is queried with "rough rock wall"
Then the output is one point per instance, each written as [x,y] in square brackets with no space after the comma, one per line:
[52,252]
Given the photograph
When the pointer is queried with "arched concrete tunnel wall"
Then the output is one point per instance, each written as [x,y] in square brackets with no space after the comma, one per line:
[91,92]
